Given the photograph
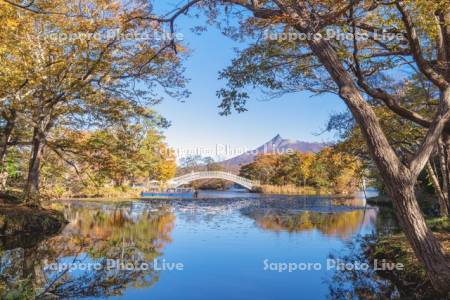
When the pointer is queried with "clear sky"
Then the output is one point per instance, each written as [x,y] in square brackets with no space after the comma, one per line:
[196,123]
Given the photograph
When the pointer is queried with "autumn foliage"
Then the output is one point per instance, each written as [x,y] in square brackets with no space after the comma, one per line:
[328,171]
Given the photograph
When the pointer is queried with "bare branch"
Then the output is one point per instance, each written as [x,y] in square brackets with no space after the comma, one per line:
[30,6]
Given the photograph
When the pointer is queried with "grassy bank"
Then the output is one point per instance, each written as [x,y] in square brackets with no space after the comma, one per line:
[290,190]
[120,192]
[18,220]
[128,193]
[294,190]
[412,282]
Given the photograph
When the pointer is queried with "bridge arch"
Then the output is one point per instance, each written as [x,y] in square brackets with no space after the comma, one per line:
[190,177]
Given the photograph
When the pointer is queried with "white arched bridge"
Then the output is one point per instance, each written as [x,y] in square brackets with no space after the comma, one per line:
[188,178]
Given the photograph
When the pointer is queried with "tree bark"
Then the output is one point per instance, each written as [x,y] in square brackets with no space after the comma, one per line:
[443,161]
[444,45]
[444,169]
[4,140]
[446,142]
[6,135]
[32,184]
[398,178]
[426,248]
[442,198]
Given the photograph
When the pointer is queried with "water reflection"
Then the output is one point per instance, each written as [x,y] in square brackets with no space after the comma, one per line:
[92,239]
[339,224]
[341,218]
[361,283]
[222,243]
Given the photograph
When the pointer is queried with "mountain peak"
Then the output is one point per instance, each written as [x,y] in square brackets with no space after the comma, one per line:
[277,138]
[275,145]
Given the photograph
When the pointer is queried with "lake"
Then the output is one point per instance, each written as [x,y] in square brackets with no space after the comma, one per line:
[242,246]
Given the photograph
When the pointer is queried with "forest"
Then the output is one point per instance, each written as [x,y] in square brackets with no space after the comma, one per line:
[328,171]
[76,112]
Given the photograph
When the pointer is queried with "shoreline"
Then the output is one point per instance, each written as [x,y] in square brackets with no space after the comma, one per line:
[16,220]
[131,199]
[136,196]
[411,282]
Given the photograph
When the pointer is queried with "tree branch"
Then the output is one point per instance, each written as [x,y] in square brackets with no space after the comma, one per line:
[390,101]
[428,145]
[424,66]
[444,40]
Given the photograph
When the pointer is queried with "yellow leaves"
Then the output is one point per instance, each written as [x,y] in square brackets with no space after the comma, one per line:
[181,48]
[11,23]
[329,169]
[114,5]
[424,14]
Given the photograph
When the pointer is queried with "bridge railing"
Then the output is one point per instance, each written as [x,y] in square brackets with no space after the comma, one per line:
[215,174]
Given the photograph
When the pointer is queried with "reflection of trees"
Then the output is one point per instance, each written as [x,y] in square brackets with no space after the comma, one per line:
[386,222]
[102,231]
[339,224]
[359,283]
[92,237]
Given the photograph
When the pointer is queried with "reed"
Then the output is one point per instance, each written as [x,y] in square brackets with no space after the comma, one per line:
[291,189]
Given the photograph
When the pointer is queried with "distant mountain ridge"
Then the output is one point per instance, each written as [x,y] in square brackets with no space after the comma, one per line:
[275,145]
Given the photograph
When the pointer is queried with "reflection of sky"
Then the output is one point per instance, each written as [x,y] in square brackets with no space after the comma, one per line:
[223,253]
[66,262]
[223,245]
[224,260]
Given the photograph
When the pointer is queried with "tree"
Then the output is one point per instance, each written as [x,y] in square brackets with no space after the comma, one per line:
[262,169]
[115,157]
[158,161]
[329,169]
[304,168]
[404,136]
[14,84]
[191,163]
[79,75]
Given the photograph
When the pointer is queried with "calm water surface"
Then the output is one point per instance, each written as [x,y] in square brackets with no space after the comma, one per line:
[222,244]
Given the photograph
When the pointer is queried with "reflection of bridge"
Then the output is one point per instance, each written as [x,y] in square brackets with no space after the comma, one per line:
[188,178]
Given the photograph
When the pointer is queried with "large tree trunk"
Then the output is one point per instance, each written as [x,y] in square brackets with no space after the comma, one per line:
[32,184]
[397,177]
[424,244]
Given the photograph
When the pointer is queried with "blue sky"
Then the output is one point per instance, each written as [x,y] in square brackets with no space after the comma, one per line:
[196,123]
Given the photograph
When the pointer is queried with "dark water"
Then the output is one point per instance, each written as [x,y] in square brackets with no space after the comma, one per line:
[233,248]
